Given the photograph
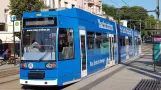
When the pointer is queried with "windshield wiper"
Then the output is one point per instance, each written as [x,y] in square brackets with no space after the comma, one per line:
[43,57]
[46,53]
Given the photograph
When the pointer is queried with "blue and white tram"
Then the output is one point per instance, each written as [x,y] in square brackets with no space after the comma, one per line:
[137,42]
[61,47]
[125,44]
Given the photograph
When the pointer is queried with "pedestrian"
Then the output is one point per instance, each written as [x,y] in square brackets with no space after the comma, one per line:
[6,55]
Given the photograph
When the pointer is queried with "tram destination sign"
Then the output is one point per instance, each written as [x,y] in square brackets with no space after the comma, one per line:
[35,22]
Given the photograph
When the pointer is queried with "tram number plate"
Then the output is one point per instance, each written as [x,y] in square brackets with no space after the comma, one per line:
[36,75]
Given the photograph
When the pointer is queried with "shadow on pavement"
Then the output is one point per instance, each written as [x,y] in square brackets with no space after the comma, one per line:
[145,62]
[149,70]
[146,74]
[146,57]
[45,88]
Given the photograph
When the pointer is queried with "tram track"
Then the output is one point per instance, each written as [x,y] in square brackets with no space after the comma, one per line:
[9,72]
[7,81]
[9,75]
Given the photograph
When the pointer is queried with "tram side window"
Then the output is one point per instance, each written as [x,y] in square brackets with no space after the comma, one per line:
[114,38]
[135,42]
[127,41]
[130,41]
[90,40]
[105,43]
[66,44]
[139,41]
[122,41]
[98,40]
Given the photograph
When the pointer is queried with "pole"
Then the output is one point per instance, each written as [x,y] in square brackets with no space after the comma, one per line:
[118,38]
[14,39]
[158,15]
[140,29]
[140,26]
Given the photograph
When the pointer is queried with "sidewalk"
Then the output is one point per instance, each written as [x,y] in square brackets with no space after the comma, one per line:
[124,76]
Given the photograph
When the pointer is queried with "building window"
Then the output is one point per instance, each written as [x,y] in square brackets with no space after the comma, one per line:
[2,26]
[73,5]
[66,4]
[66,44]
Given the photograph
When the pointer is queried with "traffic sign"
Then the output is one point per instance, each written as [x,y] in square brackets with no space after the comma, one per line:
[17,26]
[13,18]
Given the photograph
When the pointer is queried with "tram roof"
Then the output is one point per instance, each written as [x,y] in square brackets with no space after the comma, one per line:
[72,12]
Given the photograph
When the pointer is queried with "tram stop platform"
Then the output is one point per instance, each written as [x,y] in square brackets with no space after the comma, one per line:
[130,75]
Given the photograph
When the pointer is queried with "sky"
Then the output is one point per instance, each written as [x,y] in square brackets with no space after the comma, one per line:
[147,4]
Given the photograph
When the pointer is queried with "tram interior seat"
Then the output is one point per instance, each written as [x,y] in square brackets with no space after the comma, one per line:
[67,53]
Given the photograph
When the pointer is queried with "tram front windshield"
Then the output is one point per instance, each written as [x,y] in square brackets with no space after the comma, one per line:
[39,44]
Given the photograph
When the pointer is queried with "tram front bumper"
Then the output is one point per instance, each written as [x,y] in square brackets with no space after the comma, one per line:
[39,82]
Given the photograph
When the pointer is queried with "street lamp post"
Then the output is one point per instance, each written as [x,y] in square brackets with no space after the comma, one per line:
[14,37]
[13,19]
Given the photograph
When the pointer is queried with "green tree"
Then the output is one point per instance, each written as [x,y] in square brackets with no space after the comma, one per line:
[144,33]
[134,15]
[17,7]
[109,10]
[150,22]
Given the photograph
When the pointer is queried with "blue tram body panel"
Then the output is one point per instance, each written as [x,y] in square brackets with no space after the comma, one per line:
[70,70]
[126,50]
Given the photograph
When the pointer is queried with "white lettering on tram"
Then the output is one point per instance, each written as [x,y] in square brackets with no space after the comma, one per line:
[38,30]
[93,63]
[125,30]
[105,25]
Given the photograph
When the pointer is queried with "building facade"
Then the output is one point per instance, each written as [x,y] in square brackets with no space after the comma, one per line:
[93,6]
[6,35]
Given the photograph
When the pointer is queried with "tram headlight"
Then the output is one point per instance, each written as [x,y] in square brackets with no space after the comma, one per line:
[30,65]
[50,65]
[23,65]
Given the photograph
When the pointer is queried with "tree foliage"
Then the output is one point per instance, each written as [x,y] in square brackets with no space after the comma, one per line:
[133,15]
[144,33]
[109,10]
[17,7]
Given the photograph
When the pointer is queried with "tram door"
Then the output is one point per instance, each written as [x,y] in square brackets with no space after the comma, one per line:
[83,53]
[127,47]
[111,37]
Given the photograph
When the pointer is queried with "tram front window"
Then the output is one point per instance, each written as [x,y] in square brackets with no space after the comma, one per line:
[39,44]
